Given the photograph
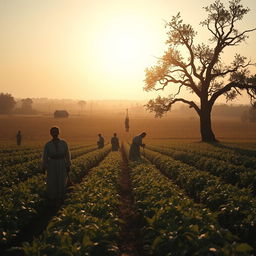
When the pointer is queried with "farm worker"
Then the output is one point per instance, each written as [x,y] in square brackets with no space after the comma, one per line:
[56,160]
[115,143]
[134,153]
[126,121]
[18,138]
[100,142]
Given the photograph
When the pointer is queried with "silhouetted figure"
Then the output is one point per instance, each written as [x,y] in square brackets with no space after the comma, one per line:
[126,121]
[134,153]
[18,138]
[100,142]
[56,160]
[115,143]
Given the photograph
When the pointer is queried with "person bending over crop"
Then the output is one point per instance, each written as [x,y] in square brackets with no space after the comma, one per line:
[134,153]
[56,161]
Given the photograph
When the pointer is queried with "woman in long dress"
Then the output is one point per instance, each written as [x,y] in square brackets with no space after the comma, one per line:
[56,160]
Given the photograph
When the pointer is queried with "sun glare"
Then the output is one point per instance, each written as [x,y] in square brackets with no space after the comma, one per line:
[122,46]
[125,49]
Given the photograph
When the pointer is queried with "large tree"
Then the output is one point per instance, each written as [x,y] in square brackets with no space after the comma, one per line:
[199,68]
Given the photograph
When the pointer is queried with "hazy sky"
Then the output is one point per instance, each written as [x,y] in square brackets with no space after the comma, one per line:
[92,49]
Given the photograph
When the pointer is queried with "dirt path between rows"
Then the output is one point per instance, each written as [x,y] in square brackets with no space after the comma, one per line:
[130,237]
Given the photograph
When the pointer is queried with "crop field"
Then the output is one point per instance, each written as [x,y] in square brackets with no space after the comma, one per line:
[182,198]
[83,129]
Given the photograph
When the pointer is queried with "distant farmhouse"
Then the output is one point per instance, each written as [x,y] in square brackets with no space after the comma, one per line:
[61,114]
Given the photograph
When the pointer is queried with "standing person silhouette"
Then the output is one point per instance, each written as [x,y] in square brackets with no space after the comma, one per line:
[100,142]
[115,143]
[126,121]
[18,138]
[57,162]
[134,153]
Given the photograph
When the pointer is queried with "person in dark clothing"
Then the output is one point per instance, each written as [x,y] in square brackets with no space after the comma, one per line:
[115,143]
[126,122]
[100,142]
[56,161]
[134,153]
[18,138]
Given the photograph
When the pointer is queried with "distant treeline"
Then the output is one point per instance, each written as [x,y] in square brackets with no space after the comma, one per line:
[246,113]
[11,105]
[242,112]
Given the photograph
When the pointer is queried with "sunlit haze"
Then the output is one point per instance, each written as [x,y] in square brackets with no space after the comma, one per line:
[84,49]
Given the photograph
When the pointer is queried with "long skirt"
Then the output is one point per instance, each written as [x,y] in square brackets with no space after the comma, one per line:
[56,179]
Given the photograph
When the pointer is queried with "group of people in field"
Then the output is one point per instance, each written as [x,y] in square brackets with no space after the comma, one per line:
[134,152]
[56,161]
[114,142]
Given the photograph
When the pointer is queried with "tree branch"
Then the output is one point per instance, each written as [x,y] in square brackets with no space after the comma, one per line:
[161,105]
[238,66]
[235,85]
[191,104]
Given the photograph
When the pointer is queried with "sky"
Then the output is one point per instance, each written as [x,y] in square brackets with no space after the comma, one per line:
[94,49]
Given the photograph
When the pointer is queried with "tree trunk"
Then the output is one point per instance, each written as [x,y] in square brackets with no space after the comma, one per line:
[207,134]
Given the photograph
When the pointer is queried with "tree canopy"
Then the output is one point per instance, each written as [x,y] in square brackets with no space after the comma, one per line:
[7,103]
[200,68]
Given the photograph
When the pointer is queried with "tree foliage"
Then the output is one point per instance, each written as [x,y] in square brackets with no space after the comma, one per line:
[26,104]
[7,103]
[200,68]
[81,103]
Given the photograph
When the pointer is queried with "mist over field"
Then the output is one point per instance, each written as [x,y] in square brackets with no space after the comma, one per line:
[107,117]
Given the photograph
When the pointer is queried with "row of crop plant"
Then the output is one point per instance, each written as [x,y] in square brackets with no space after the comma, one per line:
[228,148]
[27,199]
[216,152]
[235,175]
[12,159]
[173,223]
[234,208]
[7,149]
[11,175]
[23,156]
[23,152]
[88,223]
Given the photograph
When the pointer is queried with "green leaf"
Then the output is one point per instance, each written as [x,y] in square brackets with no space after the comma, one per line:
[156,242]
[87,241]
[244,248]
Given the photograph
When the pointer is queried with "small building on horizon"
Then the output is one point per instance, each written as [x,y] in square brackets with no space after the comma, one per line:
[61,114]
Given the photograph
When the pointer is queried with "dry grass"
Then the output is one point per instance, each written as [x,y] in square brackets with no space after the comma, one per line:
[85,129]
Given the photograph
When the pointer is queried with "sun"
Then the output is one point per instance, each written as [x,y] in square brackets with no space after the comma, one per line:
[122,46]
